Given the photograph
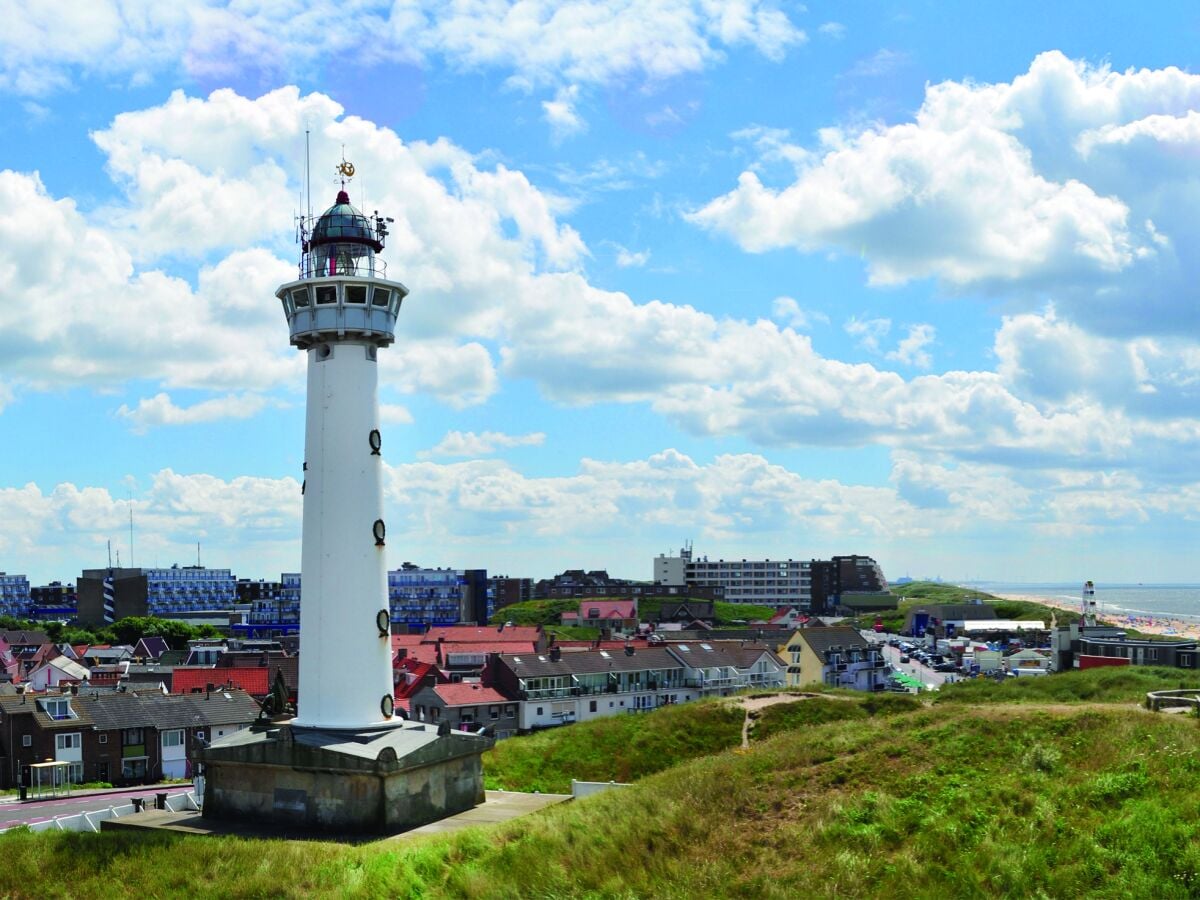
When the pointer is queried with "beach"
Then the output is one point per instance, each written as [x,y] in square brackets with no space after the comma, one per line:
[1162,625]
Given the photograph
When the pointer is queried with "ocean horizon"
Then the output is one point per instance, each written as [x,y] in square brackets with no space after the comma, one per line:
[1168,600]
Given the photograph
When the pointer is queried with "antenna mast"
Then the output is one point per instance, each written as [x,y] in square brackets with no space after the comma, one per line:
[131,528]
[110,554]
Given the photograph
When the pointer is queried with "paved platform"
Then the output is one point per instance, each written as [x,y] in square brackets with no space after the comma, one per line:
[500,806]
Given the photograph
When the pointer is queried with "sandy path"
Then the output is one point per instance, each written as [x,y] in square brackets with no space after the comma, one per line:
[753,704]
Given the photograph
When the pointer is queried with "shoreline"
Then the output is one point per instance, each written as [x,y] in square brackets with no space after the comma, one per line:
[1165,626]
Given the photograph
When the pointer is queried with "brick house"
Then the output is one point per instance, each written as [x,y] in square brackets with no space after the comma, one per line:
[464,705]
[122,737]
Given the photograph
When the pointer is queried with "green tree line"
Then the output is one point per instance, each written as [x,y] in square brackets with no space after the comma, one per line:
[124,631]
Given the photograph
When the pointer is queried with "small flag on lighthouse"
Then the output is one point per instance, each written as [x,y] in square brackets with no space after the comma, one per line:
[110,600]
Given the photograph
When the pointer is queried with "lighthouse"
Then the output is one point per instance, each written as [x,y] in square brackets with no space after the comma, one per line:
[347,761]
[341,312]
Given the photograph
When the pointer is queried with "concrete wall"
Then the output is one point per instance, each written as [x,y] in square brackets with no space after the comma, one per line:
[343,801]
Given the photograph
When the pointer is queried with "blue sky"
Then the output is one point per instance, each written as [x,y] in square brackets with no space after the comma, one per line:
[914,280]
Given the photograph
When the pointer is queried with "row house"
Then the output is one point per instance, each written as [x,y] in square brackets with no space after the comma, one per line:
[835,656]
[466,706]
[615,615]
[557,688]
[563,686]
[117,737]
[720,669]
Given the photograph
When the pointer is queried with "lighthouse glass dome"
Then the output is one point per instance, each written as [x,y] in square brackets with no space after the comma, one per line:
[343,242]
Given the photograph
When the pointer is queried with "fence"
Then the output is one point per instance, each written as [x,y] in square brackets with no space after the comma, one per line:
[90,821]
[581,789]
[1156,700]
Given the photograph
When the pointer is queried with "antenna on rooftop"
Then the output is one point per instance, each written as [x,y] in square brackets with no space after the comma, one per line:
[130,494]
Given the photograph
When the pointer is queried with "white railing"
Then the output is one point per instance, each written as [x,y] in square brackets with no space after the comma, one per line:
[90,821]
[581,789]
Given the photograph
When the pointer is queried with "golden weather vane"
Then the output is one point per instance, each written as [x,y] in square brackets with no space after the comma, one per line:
[346,169]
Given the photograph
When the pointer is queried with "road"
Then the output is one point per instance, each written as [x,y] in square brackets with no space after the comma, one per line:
[931,679]
[14,812]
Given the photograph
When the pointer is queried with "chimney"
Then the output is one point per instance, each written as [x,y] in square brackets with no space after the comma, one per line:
[555,654]
[629,649]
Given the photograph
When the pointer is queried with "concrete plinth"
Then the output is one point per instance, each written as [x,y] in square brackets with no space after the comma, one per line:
[377,782]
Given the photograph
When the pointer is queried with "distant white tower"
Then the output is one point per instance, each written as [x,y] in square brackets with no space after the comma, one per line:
[341,311]
[1087,604]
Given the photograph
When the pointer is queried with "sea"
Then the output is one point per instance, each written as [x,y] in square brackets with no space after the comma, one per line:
[1173,601]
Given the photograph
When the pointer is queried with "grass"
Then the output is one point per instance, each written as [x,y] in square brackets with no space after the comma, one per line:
[617,748]
[951,801]
[1121,684]
[549,612]
[892,797]
[918,594]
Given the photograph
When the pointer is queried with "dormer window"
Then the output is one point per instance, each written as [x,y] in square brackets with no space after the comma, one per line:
[58,709]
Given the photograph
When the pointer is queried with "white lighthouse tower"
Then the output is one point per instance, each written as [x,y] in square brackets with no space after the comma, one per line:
[345,762]
[341,311]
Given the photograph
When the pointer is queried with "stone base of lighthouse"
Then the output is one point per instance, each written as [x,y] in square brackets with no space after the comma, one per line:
[371,782]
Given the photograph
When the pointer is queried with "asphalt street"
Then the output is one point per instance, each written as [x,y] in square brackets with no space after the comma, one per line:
[14,812]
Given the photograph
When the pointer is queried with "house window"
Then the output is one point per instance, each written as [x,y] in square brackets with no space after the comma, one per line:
[58,709]
[68,741]
[435,712]
[494,712]
[173,738]
[102,739]
[26,740]
[133,768]
[510,710]
[75,773]
[102,771]
[539,712]
[131,737]
[591,706]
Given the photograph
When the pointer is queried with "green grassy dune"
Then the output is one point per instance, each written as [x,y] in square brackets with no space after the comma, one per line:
[549,612]
[1072,792]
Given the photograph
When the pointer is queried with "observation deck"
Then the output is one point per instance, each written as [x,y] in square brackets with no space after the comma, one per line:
[342,293]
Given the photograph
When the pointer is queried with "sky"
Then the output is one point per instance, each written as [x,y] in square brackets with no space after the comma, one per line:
[912,280]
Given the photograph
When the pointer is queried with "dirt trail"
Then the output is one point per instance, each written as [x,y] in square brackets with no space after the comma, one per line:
[753,704]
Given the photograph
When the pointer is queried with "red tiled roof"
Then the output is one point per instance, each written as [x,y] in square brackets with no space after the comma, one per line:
[463,694]
[406,640]
[608,609]
[467,634]
[423,653]
[418,671]
[254,681]
[491,647]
